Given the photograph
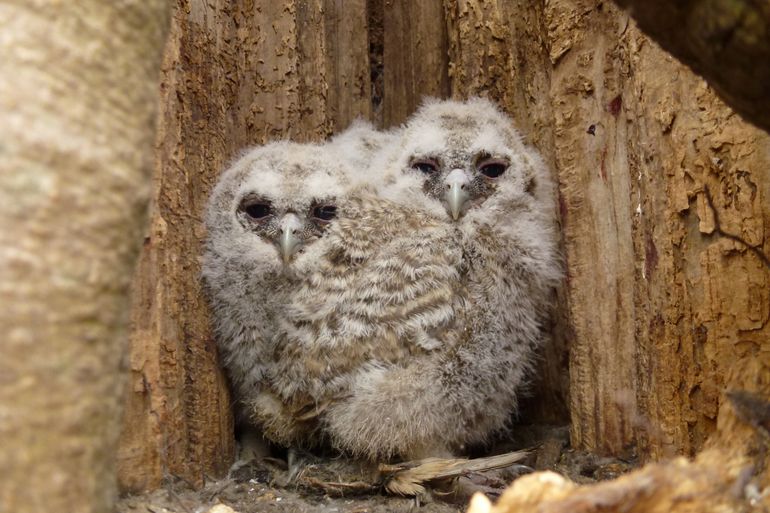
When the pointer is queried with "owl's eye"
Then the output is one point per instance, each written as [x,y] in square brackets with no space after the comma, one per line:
[257,210]
[325,212]
[425,166]
[492,168]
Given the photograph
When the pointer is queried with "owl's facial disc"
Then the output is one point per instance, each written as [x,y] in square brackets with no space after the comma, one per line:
[457,187]
[464,180]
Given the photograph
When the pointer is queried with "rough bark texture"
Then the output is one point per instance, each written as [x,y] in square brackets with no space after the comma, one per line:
[235,74]
[78,100]
[663,201]
[414,56]
[725,41]
[665,284]
[711,484]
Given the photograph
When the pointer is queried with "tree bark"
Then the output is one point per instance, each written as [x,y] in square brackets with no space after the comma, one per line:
[234,75]
[414,56]
[725,41]
[665,284]
[78,102]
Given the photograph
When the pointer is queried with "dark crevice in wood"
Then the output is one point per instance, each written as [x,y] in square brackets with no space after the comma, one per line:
[374,14]
[737,238]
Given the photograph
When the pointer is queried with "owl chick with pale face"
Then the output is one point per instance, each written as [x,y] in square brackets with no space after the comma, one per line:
[266,222]
[466,167]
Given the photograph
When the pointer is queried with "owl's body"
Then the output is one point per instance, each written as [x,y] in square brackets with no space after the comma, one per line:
[467,386]
[379,297]
[267,204]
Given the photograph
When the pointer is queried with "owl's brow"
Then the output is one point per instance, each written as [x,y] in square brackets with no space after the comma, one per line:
[254,196]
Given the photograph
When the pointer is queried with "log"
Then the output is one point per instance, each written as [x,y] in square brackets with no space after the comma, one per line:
[78,101]
[663,304]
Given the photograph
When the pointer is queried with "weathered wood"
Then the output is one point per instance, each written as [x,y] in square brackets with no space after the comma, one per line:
[712,484]
[414,56]
[725,41]
[78,100]
[235,74]
[662,302]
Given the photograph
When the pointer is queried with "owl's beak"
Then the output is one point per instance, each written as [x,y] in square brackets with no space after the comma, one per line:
[457,194]
[288,241]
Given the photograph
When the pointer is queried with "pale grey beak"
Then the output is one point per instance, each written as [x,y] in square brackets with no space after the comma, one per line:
[457,192]
[288,242]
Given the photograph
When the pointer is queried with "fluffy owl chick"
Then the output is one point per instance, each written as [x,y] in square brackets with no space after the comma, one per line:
[360,144]
[384,293]
[266,221]
[466,167]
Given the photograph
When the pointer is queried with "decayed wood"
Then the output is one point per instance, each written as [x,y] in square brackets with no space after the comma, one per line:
[78,100]
[234,74]
[663,305]
[725,41]
[711,484]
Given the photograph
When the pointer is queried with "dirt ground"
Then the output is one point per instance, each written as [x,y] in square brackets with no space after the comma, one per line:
[337,485]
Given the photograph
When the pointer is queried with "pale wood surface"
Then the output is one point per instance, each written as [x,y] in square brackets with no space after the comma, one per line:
[78,99]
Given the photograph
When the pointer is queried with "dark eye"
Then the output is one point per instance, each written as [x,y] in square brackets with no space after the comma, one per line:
[492,169]
[325,212]
[257,210]
[425,166]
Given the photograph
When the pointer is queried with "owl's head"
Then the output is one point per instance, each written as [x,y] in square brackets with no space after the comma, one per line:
[273,206]
[460,158]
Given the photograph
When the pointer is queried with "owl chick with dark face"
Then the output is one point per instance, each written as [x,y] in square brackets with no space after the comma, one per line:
[266,222]
[466,168]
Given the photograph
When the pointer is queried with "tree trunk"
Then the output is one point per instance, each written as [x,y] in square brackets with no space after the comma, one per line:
[77,102]
[663,199]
